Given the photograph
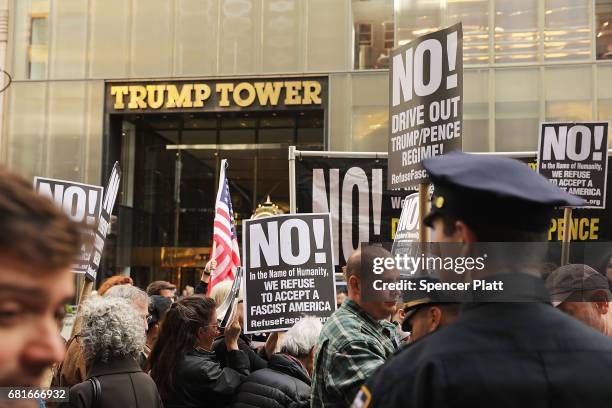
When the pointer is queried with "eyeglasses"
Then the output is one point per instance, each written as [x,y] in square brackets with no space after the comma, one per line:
[213,324]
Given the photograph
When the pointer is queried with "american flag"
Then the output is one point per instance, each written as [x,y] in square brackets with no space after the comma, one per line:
[225,241]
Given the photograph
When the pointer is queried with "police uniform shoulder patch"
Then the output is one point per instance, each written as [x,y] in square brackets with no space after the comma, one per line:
[363,398]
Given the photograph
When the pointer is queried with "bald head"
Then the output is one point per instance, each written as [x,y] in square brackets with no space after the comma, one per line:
[362,260]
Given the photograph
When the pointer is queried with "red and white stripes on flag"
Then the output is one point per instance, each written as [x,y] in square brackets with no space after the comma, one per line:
[225,241]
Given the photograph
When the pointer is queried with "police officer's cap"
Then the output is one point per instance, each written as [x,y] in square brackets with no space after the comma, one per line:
[493,190]
[418,298]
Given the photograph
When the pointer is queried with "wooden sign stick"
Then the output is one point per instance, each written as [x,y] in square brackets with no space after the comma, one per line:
[567,227]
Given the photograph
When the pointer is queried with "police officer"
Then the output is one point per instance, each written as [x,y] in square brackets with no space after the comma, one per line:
[425,315]
[496,353]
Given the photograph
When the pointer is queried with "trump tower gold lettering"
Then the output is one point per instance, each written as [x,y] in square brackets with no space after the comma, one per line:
[213,95]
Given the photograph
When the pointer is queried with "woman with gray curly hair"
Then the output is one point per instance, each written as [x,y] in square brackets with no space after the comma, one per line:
[112,337]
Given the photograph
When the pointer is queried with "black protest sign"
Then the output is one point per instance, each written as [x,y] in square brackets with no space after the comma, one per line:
[425,103]
[104,225]
[588,224]
[353,192]
[574,157]
[288,271]
[82,203]
[408,227]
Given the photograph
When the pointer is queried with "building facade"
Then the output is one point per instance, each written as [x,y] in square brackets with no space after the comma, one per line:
[169,87]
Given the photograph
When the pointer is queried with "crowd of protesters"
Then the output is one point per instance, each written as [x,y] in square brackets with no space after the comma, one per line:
[146,348]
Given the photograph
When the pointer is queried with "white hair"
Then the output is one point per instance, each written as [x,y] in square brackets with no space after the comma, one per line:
[301,337]
[221,291]
[111,328]
[130,293]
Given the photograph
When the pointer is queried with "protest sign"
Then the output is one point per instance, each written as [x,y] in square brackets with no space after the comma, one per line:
[408,226]
[587,224]
[574,156]
[104,224]
[352,191]
[82,203]
[288,271]
[425,103]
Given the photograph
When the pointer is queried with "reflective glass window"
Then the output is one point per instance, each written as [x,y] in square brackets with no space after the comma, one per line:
[568,93]
[474,15]
[567,34]
[373,33]
[517,109]
[516,31]
[603,27]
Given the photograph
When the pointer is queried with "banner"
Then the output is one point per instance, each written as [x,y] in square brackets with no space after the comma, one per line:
[82,203]
[353,192]
[104,225]
[288,271]
[425,103]
[320,188]
[574,157]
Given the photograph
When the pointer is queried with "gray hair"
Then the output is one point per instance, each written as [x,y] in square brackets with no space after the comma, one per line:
[129,293]
[302,337]
[111,329]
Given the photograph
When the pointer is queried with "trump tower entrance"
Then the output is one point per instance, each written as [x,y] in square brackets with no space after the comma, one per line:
[170,137]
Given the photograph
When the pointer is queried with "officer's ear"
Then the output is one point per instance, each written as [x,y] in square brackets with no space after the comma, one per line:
[435,317]
[463,233]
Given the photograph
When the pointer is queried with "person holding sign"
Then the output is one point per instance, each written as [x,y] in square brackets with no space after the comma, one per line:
[202,286]
[183,365]
[38,244]
[497,353]
[356,339]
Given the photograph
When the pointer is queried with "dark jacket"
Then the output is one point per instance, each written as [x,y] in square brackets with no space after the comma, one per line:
[285,383]
[256,360]
[123,384]
[499,355]
[201,288]
[200,380]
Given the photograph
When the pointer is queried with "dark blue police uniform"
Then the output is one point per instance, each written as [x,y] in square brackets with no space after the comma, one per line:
[522,354]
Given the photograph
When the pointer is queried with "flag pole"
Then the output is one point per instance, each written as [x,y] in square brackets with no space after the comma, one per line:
[213,252]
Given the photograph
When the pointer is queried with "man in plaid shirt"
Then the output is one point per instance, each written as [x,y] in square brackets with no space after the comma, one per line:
[356,339]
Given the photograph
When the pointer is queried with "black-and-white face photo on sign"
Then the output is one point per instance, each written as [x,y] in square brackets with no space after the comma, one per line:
[574,157]
[288,271]
[425,103]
